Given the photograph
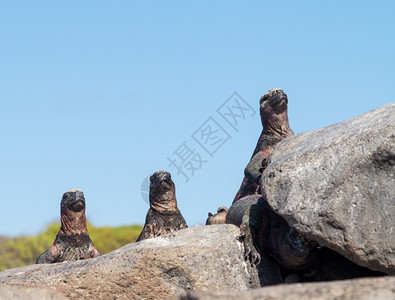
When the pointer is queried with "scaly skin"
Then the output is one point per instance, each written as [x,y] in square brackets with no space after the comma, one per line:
[218,218]
[163,216]
[263,230]
[72,241]
[275,128]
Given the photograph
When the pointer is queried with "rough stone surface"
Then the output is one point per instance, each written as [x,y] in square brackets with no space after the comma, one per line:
[200,258]
[382,288]
[336,185]
[11,292]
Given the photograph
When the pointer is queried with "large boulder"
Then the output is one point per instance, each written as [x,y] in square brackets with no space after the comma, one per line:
[10,292]
[358,289]
[200,258]
[336,185]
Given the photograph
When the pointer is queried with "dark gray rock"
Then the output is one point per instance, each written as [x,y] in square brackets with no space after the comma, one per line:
[336,185]
[200,258]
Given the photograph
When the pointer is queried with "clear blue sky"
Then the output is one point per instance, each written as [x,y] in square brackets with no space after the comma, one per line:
[97,95]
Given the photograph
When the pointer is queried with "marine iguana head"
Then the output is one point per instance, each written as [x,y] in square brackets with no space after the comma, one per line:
[218,218]
[162,193]
[72,213]
[297,253]
[274,112]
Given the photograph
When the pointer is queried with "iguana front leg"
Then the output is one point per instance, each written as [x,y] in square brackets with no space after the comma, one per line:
[51,255]
[256,166]
[93,252]
[248,229]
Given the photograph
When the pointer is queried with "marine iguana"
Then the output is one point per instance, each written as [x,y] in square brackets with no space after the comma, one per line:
[163,215]
[275,128]
[260,227]
[72,241]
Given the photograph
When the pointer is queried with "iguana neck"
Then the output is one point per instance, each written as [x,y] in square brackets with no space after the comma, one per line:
[73,223]
[164,203]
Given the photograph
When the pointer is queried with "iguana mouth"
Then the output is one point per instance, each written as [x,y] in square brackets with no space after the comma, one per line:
[77,205]
[278,103]
[298,252]
[166,182]
[161,181]
[299,244]
[274,101]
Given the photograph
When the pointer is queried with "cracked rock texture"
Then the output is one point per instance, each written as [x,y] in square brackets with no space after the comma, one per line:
[200,258]
[382,288]
[336,185]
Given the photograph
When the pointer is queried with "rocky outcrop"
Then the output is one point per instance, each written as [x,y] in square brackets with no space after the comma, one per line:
[200,258]
[358,289]
[10,292]
[336,185]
